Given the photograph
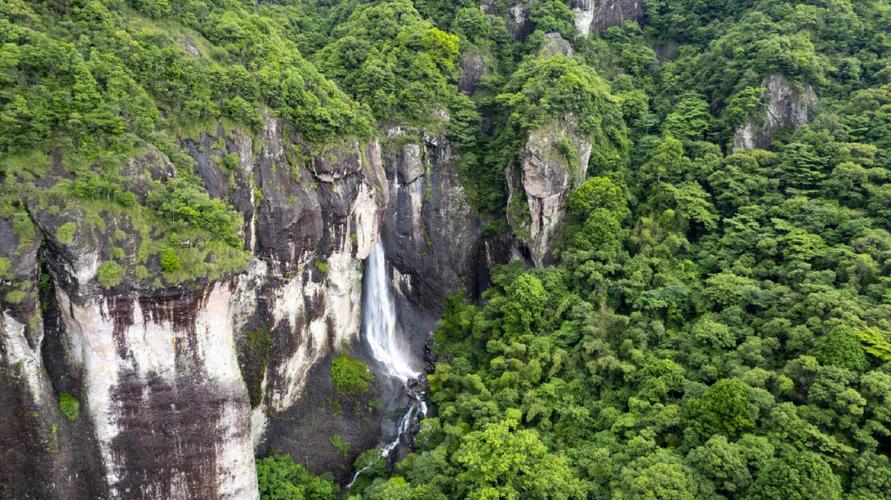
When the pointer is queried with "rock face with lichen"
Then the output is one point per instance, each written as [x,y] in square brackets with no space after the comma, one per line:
[786,105]
[179,385]
[176,385]
[552,164]
[431,233]
[598,15]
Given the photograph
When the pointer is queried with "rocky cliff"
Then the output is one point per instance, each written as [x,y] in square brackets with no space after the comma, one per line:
[590,15]
[598,15]
[553,162]
[177,386]
[432,236]
[785,105]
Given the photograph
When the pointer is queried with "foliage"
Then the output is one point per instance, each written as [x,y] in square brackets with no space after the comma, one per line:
[110,274]
[340,445]
[65,233]
[715,322]
[388,56]
[281,479]
[350,375]
[544,89]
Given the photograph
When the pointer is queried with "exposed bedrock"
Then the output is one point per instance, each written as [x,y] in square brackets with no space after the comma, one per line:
[432,236]
[552,163]
[179,386]
[786,104]
[590,15]
[598,15]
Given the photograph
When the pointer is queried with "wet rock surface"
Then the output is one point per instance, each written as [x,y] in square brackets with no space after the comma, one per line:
[179,386]
[598,15]
[431,234]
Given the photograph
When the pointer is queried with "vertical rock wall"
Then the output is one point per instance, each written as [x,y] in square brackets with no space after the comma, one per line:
[431,234]
[553,163]
[178,385]
[598,15]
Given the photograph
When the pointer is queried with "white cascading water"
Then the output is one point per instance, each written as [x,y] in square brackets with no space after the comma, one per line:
[387,348]
[379,319]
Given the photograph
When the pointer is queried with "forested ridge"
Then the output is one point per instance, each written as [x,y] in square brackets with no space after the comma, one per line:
[714,321]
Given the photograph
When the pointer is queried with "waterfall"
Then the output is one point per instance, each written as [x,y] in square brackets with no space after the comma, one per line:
[379,319]
[391,352]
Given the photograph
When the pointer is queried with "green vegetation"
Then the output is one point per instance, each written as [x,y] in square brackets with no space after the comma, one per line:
[350,375]
[70,406]
[281,479]
[340,445]
[110,274]
[65,233]
[322,266]
[715,324]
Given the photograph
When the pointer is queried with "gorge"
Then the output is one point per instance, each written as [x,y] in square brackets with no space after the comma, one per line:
[399,249]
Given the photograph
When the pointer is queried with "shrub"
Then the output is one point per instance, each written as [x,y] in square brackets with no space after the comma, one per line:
[340,445]
[279,477]
[65,233]
[110,274]
[15,297]
[230,161]
[350,375]
[841,348]
[169,260]
[5,267]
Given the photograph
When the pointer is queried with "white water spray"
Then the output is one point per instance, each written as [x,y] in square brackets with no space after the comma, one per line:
[380,319]
[379,327]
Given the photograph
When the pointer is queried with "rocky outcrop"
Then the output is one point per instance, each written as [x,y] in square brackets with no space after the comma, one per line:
[555,45]
[431,233]
[552,164]
[598,15]
[786,105]
[473,68]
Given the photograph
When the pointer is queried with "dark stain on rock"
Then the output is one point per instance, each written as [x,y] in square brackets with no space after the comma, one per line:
[170,433]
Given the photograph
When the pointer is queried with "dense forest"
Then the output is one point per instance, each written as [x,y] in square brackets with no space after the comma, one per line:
[712,321]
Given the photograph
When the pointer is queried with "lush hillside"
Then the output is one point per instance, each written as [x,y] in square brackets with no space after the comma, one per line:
[716,323]
[712,316]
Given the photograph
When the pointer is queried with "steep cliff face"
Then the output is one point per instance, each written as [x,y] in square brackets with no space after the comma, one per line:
[431,233]
[786,105]
[552,164]
[166,377]
[179,386]
[598,15]
[590,15]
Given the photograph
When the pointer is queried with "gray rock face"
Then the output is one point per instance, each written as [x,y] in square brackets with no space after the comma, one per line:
[598,15]
[174,389]
[472,70]
[179,386]
[554,45]
[552,164]
[787,105]
[432,237]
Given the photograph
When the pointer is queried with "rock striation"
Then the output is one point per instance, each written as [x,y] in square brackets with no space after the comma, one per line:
[179,386]
[598,15]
